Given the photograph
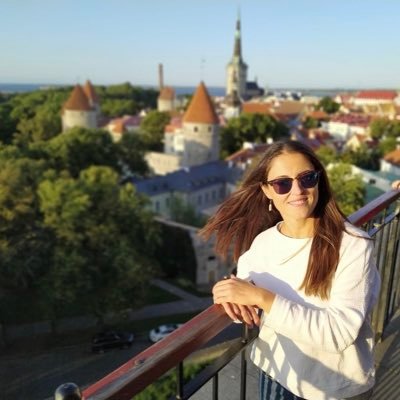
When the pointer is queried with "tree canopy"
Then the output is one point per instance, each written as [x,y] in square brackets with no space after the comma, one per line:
[256,128]
[328,105]
[153,127]
[349,189]
[384,128]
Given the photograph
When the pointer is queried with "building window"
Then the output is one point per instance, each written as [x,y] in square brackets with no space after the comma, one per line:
[199,199]
[167,202]
[221,193]
[209,129]
[206,198]
[213,194]
[157,206]
[195,129]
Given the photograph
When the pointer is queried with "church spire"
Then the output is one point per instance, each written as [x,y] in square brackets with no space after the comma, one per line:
[237,53]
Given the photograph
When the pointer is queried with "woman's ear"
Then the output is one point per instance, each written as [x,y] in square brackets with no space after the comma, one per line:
[265,189]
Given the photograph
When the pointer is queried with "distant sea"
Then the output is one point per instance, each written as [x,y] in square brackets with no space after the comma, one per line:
[180,90]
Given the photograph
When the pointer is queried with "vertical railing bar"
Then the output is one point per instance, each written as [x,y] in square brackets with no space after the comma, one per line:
[396,277]
[385,275]
[243,363]
[179,380]
[375,314]
[390,271]
[394,269]
[215,387]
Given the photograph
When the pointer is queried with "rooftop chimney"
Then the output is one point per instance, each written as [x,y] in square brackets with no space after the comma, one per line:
[160,76]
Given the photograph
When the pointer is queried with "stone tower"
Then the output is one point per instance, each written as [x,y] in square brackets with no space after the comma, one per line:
[77,111]
[200,130]
[236,69]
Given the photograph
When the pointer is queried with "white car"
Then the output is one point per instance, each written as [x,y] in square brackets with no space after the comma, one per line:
[162,331]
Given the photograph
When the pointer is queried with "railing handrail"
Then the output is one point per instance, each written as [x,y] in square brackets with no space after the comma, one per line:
[373,208]
[143,369]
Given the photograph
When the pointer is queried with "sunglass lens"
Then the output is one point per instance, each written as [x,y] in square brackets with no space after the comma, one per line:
[309,180]
[282,186]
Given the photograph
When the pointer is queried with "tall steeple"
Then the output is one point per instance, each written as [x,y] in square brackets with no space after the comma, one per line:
[237,68]
[237,52]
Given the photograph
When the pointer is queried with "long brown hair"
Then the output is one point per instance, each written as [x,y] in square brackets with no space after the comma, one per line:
[243,215]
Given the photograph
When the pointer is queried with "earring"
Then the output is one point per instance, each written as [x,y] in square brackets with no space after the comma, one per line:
[270,206]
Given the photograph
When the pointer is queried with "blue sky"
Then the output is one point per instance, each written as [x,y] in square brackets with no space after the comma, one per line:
[286,43]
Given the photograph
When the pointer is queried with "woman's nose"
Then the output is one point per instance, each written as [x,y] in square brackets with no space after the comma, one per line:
[296,187]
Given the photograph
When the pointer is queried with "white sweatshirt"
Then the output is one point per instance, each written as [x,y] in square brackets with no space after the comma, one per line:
[317,349]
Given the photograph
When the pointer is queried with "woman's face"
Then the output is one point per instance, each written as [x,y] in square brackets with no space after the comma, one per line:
[299,203]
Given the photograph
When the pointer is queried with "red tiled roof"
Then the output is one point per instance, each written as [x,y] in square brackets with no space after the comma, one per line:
[377,94]
[90,92]
[289,107]
[243,155]
[353,119]
[201,109]
[256,108]
[318,114]
[393,157]
[77,100]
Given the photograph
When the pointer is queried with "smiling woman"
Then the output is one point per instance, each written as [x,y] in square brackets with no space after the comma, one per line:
[308,270]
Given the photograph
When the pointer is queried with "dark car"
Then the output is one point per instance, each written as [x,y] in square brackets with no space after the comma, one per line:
[111,339]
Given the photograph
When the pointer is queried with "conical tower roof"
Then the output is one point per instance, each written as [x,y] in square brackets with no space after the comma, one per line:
[90,92]
[201,109]
[77,100]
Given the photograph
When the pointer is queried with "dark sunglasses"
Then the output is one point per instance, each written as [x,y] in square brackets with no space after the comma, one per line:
[307,180]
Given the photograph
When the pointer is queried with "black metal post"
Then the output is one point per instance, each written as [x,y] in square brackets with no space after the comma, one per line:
[243,363]
[179,381]
[215,387]
[68,391]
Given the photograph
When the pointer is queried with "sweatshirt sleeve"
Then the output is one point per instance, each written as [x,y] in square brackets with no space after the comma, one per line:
[333,328]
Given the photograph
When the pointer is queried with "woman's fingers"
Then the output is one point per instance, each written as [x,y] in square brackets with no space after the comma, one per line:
[229,309]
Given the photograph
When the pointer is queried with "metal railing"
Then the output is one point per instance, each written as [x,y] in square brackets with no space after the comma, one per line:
[380,218]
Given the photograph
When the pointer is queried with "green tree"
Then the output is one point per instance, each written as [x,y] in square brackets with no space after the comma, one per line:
[384,128]
[8,125]
[310,123]
[131,152]
[118,107]
[249,128]
[104,241]
[77,149]
[38,114]
[387,145]
[175,253]
[363,157]
[348,188]
[184,213]
[328,105]
[327,155]
[153,127]
[24,242]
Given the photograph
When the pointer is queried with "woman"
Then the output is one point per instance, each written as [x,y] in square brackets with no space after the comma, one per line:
[308,269]
[396,185]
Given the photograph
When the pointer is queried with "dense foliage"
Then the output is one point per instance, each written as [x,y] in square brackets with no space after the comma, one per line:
[382,128]
[328,105]
[255,128]
[349,189]
[69,229]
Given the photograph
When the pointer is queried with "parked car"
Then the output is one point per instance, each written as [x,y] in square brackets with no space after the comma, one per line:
[111,339]
[162,331]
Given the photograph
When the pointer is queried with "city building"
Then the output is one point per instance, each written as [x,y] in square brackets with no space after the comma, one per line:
[82,109]
[194,142]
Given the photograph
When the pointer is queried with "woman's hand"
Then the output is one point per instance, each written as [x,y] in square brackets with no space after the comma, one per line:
[246,314]
[238,293]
